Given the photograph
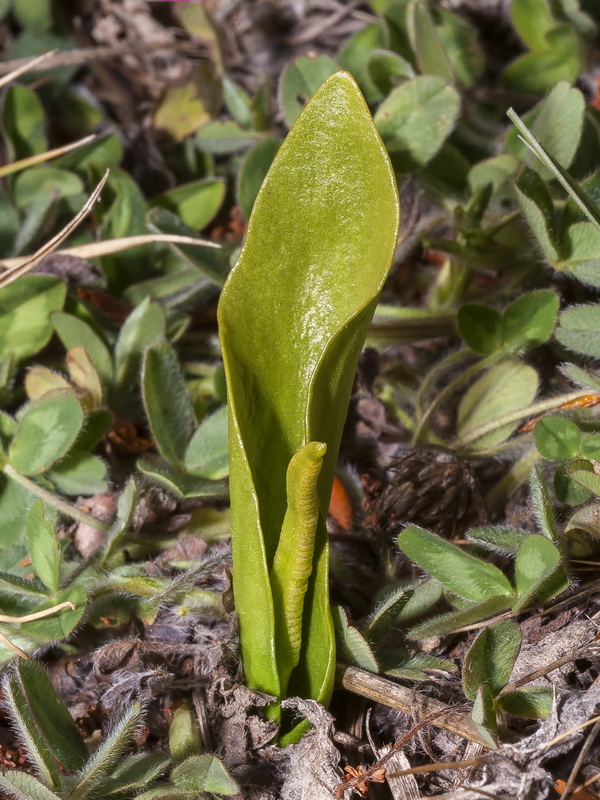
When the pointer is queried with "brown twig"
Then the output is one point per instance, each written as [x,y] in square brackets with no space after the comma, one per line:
[391,694]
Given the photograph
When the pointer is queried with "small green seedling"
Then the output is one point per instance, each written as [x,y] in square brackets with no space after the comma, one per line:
[479,590]
[378,644]
[64,770]
[487,668]
[46,607]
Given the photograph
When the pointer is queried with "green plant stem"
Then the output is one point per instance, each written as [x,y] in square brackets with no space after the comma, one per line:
[448,390]
[56,502]
[513,480]
[444,246]
[505,220]
[551,404]
[406,325]
[433,375]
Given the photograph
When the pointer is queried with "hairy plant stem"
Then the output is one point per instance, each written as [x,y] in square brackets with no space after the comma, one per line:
[434,374]
[515,478]
[448,390]
[533,410]
[55,501]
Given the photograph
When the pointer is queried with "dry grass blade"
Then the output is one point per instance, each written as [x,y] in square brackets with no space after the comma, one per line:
[47,612]
[583,786]
[566,734]
[30,618]
[359,778]
[580,759]
[50,246]
[23,65]
[16,166]
[110,246]
[543,671]
[55,59]
[442,765]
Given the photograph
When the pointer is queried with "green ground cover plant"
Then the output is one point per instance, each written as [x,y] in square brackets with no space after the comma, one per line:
[187,348]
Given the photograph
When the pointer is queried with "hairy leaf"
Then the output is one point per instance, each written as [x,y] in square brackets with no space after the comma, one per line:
[167,403]
[579,329]
[26,305]
[74,332]
[557,438]
[461,573]
[491,658]
[416,119]
[539,573]
[498,539]
[43,547]
[386,613]
[207,454]
[529,702]
[542,504]
[107,755]
[505,387]
[356,650]
[22,786]
[204,774]
[46,431]
[300,80]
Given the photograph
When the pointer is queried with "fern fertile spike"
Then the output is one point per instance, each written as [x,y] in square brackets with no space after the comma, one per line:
[293,562]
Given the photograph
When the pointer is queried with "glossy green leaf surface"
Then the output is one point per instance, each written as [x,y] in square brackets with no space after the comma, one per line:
[321,236]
